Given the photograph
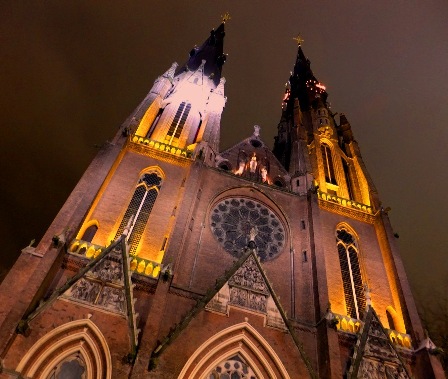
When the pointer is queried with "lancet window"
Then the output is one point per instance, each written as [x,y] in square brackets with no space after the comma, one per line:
[178,123]
[155,122]
[198,129]
[347,179]
[328,164]
[351,273]
[140,207]
[90,233]
[390,320]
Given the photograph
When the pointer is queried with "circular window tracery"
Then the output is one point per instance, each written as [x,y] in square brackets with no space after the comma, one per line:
[234,220]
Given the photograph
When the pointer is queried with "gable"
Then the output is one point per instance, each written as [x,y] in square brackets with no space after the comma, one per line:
[253,160]
[105,282]
[247,289]
[102,286]
[374,355]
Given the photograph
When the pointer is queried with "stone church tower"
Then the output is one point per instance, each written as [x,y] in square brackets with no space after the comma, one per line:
[174,259]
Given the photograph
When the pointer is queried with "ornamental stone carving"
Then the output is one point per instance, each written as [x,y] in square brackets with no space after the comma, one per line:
[249,276]
[102,286]
[380,360]
[236,221]
[248,289]
[108,270]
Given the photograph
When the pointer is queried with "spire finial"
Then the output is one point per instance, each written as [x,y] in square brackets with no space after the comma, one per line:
[226,17]
[299,39]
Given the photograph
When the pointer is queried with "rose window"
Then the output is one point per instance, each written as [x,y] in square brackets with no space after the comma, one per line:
[235,221]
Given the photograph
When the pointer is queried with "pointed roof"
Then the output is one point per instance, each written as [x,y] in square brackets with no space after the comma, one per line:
[212,52]
[304,85]
[263,285]
[112,268]
[250,146]
[373,350]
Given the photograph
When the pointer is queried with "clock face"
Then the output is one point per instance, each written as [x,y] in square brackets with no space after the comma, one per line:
[235,221]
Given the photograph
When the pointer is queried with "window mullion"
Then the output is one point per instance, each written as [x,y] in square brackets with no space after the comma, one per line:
[352,282]
[177,124]
[136,215]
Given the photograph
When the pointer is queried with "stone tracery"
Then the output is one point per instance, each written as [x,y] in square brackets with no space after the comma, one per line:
[233,219]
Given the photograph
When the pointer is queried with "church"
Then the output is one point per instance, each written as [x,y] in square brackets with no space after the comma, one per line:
[173,258]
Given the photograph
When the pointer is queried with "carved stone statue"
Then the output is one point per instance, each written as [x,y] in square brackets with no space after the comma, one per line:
[253,164]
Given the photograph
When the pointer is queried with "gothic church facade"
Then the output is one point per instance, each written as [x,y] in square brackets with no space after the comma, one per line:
[174,259]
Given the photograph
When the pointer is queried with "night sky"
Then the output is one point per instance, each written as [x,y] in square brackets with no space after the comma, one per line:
[72,71]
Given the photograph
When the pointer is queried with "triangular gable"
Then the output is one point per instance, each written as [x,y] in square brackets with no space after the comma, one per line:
[247,288]
[238,159]
[105,282]
[234,278]
[103,286]
[374,355]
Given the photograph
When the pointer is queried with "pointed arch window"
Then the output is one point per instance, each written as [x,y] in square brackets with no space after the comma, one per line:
[73,367]
[351,274]
[233,368]
[140,207]
[198,129]
[390,319]
[155,122]
[328,164]
[90,233]
[178,123]
[347,179]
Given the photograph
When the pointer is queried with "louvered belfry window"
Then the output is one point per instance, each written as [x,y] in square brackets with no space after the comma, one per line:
[175,130]
[328,164]
[347,179]
[351,274]
[140,207]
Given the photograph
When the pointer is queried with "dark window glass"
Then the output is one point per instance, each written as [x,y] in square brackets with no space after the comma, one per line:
[328,164]
[178,123]
[140,207]
[390,320]
[347,179]
[89,233]
[351,274]
[153,126]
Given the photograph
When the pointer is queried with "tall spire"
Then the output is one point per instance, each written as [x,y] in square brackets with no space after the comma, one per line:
[304,85]
[212,52]
[295,129]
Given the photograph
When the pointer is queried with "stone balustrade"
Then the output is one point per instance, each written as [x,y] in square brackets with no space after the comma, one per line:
[161,146]
[345,202]
[86,249]
[399,339]
[351,325]
[142,266]
[347,324]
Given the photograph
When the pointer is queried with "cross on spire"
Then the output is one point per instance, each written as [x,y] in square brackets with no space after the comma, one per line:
[226,17]
[299,39]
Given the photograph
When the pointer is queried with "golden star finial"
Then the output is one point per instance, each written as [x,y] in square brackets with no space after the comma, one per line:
[226,17]
[299,39]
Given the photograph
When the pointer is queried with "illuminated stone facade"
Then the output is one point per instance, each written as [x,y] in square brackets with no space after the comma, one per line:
[174,259]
